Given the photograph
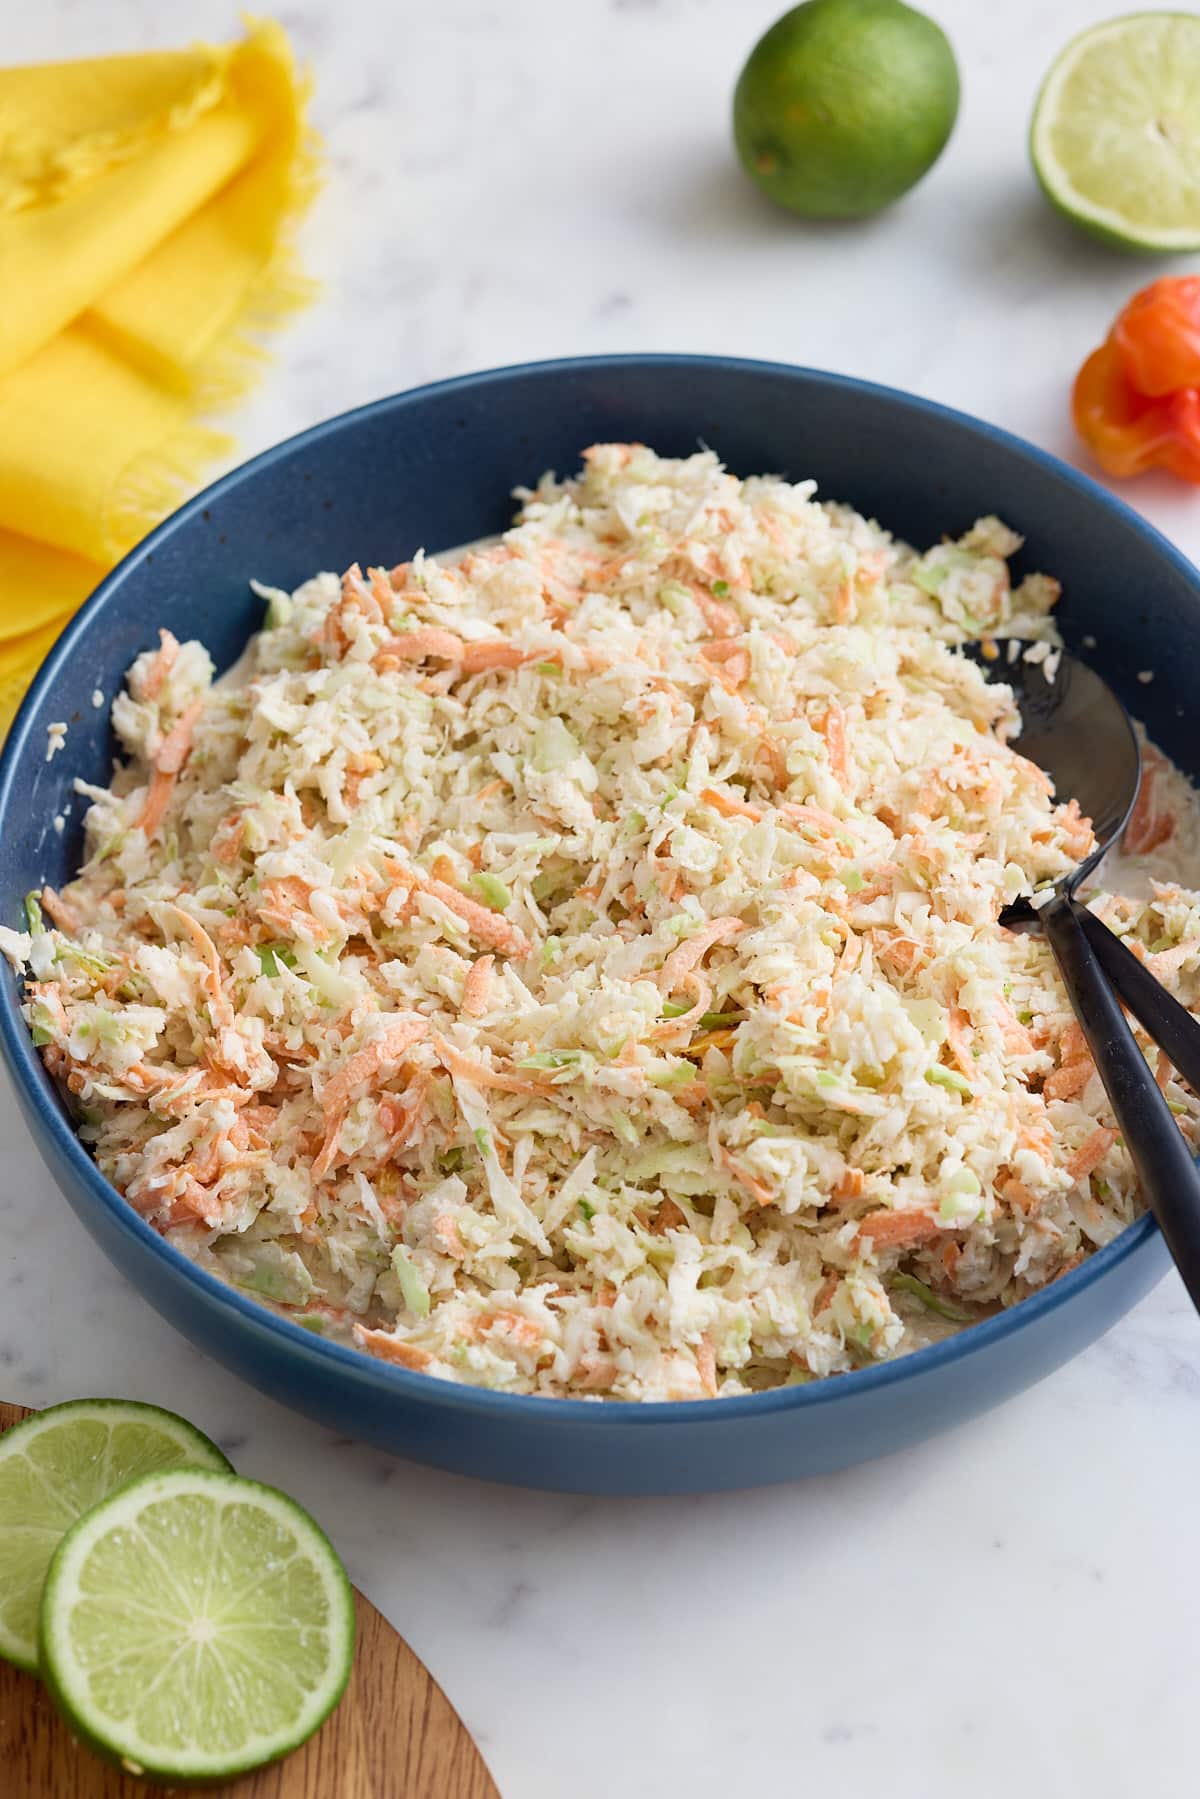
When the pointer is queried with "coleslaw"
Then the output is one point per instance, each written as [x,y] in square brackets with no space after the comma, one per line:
[573,966]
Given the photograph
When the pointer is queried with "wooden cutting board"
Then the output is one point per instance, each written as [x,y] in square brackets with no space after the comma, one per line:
[395,1735]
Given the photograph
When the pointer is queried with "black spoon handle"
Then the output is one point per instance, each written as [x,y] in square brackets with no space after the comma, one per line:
[1171,1025]
[1169,1177]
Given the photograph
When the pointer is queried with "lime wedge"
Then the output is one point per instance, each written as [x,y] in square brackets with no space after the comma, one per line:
[195,1625]
[1115,139]
[53,1468]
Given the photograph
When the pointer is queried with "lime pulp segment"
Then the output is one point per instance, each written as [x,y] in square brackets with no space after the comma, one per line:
[196,1625]
[1115,139]
[54,1467]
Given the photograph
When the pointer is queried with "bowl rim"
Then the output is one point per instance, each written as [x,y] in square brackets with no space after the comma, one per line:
[25,1067]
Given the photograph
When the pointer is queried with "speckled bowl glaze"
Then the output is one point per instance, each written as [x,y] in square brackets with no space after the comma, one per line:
[436,467]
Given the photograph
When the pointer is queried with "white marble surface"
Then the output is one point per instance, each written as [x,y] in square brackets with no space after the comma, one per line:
[1014,1607]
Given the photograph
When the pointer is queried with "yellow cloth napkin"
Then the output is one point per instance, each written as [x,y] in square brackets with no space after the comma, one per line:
[146,213]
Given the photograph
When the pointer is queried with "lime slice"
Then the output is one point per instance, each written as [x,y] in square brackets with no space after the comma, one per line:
[1115,138]
[53,1468]
[195,1625]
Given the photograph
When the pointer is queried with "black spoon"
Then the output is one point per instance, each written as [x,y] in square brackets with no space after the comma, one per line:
[1077,730]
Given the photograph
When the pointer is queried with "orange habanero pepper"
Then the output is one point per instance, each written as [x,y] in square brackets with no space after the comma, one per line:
[1136,400]
[1158,336]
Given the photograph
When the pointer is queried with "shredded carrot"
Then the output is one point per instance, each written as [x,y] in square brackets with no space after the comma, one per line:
[727,662]
[287,899]
[476,987]
[1167,961]
[706,1365]
[478,657]
[226,840]
[770,752]
[956,1036]
[192,1207]
[1091,1153]
[599,1374]
[833,728]
[757,1190]
[169,758]
[724,649]
[1038,1141]
[1078,830]
[364,1067]
[851,954]
[1016,1193]
[374,600]
[382,590]
[1016,1036]
[825,1293]
[721,620]
[683,960]
[222,1006]
[523,1331]
[729,807]
[173,751]
[1069,1080]
[447,1233]
[901,952]
[696,984]
[490,927]
[418,646]
[798,814]
[883,883]
[480,1075]
[161,666]
[900,1229]
[392,1349]
[1148,828]
[60,912]
[49,994]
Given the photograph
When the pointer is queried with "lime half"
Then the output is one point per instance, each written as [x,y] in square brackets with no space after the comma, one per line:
[195,1625]
[56,1466]
[1115,138]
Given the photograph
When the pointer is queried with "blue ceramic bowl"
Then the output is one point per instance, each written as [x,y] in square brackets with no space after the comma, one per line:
[436,468]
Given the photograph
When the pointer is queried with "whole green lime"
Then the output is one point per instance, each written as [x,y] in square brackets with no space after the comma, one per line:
[844,105]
